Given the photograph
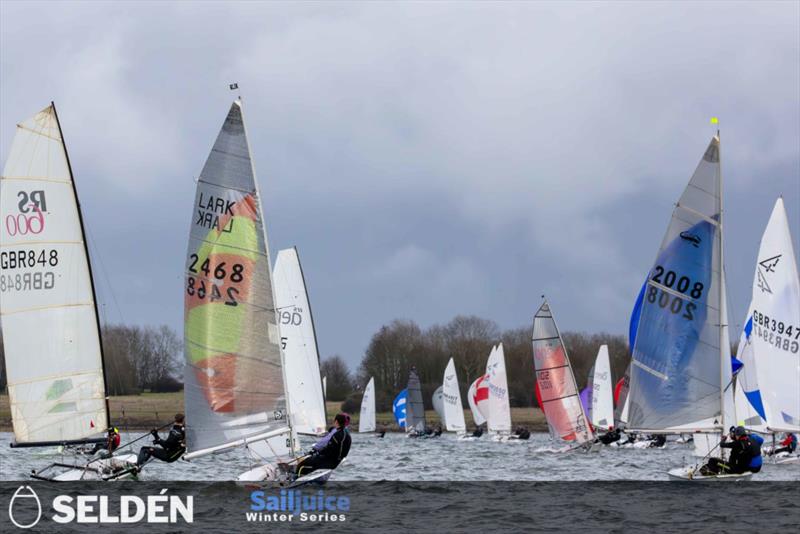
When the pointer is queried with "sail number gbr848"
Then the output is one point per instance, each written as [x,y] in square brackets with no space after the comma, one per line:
[669,300]
[27,259]
[215,276]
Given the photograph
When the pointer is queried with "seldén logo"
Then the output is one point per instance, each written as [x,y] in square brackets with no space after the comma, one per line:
[100,509]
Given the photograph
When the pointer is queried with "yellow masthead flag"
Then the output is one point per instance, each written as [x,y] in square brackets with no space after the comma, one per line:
[714,120]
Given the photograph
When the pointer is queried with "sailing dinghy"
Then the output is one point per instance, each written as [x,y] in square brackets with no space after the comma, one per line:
[299,344]
[451,397]
[767,396]
[602,400]
[415,408]
[234,382]
[681,368]
[51,328]
[556,389]
[498,416]
[366,420]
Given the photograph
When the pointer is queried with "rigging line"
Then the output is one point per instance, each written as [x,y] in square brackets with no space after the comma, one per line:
[93,244]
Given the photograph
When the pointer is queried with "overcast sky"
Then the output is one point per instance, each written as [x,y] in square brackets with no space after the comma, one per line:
[426,159]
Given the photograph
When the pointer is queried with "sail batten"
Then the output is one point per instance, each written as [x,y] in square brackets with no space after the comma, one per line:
[234,384]
[56,381]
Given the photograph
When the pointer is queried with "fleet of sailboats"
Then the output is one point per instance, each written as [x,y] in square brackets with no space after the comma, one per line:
[252,372]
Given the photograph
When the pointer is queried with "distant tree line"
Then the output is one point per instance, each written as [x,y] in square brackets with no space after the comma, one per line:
[468,340]
[136,359]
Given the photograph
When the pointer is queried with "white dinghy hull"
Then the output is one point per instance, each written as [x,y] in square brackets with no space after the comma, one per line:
[692,474]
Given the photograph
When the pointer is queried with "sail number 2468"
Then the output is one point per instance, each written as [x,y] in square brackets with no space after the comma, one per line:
[198,287]
[674,303]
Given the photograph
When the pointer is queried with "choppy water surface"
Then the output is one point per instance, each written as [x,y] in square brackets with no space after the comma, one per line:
[396,457]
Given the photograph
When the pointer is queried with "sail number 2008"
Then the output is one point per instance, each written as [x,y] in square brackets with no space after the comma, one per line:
[681,284]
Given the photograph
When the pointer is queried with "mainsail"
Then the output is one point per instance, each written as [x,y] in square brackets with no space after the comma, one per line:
[681,372]
[438,404]
[366,421]
[747,396]
[453,409]
[555,382]
[775,323]
[415,409]
[499,411]
[621,404]
[477,396]
[234,387]
[51,330]
[602,400]
[299,343]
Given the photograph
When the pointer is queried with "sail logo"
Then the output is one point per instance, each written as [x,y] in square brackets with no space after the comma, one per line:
[694,239]
[294,317]
[209,211]
[767,266]
[30,219]
[25,492]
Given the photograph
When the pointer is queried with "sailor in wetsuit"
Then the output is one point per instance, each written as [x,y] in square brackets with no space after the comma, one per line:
[657,441]
[167,450]
[745,455]
[609,437]
[522,433]
[328,452]
[478,432]
[105,450]
[788,444]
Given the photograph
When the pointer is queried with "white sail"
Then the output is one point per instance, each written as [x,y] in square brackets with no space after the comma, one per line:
[602,398]
[478,393]
[746,393]
[499,410]
[438,404]
[299,344]
[453,409]
[234,384]
[325,387]
[47,305]
[681,369]
[366,421]
[775,317]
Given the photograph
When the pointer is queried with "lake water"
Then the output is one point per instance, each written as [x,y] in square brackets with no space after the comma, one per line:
[396,457]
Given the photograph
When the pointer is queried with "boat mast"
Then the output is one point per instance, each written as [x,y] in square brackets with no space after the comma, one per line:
[89,265]
[724,358]
[269,270]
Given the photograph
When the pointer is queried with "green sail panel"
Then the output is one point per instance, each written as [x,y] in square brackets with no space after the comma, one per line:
[234,389]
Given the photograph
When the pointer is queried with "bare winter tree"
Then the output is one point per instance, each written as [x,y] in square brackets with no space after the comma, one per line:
[339,383]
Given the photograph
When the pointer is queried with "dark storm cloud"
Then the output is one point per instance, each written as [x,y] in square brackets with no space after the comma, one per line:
[426,159]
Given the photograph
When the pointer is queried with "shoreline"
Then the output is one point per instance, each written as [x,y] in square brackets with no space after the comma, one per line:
[143,412]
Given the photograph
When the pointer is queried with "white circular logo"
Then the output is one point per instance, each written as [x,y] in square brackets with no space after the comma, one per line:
[24,492]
